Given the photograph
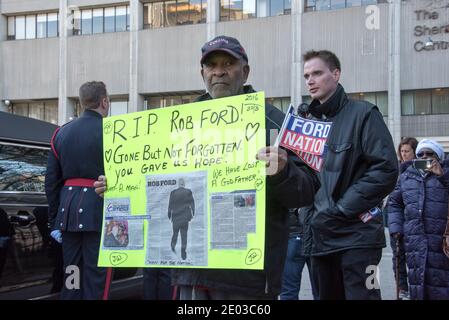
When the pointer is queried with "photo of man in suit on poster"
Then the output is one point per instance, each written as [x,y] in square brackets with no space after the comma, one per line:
[181,210]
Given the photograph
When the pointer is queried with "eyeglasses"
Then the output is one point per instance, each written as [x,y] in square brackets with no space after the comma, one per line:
[425,153]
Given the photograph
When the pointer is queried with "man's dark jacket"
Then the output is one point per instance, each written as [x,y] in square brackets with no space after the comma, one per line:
[360,169]
[77,153]
[293,187]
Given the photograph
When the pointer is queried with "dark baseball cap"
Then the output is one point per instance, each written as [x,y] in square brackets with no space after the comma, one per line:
[225,44]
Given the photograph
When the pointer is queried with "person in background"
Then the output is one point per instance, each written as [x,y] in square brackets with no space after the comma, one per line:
[360,169]
[295,261]
[418,213]
[406,152]
[157,284]
[407,149]
[75,210]
[289,184]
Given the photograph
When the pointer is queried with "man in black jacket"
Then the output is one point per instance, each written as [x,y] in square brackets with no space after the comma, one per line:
[75,210]
[360,169]
[290,184]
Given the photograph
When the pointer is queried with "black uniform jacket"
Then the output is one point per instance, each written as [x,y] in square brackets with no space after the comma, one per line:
[77,152]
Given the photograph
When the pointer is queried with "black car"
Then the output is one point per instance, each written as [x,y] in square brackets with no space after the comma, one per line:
[30,260]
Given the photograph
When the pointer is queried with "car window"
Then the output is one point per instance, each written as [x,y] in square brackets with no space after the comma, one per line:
[22,168]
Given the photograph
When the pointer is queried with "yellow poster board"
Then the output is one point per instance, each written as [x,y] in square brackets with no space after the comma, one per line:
[184,189]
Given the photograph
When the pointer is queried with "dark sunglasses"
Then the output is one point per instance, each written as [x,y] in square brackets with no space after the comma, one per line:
[426,153]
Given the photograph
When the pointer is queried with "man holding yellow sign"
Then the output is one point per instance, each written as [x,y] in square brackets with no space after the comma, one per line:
[234,197]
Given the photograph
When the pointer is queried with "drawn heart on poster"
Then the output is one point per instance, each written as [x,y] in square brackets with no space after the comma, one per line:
[108,155]
[251,130]
[116,258]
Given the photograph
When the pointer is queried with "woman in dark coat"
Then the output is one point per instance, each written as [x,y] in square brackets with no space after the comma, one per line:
[418,211]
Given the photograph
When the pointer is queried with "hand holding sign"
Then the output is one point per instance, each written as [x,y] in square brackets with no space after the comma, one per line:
[275,157]
[307,138]
[100,186]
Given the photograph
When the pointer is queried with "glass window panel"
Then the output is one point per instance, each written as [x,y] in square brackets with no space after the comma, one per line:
[249,9]
[322,5]
[86,21]
[97,21]
[195,11]
[155,102]
[128,19]
[276,7]
[204,11]
[20,27]
[236,9]
[310,5]
[183,9]
[109,19]
[170,13]
[407,103]
[188,98]
[120,18]
[11,28]
[368,2]
[224,10]
[263,8]
[275,102]
[146,14]
[353,3]
[422,101]
[20,109]
[52,25]
[354,96]
[287,6]
[370,97]
[78,110]
[36,110]
[307,99]
[77,22]
[173,101]
[51,112]
[31,27]
[42,25]
[440,101]
[118,107]
[382,102]
[338,4]
[23,169]
[285,104]
[157,16]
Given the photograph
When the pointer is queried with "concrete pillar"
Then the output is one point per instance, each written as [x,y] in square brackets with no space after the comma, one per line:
[136,101]
[296,69]
[394,70]
[65,106]
[213,17]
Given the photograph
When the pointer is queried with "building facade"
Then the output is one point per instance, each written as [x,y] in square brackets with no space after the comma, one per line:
[394,53]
